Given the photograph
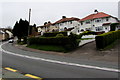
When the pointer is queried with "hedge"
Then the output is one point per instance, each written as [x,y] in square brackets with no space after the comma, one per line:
[49,40]
[65,41]
[53,34]
[106,39]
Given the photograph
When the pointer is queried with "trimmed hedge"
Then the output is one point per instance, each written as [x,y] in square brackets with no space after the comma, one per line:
[49,40]
[53,34]
[67,42]
[106,39]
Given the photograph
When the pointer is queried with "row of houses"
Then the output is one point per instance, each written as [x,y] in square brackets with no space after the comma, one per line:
[98,21]
[5,34]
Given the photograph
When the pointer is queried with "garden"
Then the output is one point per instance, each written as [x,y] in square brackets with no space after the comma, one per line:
[57,41]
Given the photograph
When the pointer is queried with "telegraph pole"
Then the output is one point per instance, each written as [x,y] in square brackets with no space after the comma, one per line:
[29,21]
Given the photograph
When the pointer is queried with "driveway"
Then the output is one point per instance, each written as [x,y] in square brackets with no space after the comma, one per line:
[89,51]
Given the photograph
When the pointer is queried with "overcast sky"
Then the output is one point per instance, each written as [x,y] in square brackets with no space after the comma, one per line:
[10,12]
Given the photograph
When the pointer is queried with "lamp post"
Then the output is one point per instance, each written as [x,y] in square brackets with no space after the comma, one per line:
[29,21]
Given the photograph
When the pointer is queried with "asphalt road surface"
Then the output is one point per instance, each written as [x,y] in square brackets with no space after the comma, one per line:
[46,69]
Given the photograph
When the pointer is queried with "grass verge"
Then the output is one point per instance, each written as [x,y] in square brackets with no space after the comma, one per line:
[48,48]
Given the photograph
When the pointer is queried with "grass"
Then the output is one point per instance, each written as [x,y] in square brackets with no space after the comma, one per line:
[48,48]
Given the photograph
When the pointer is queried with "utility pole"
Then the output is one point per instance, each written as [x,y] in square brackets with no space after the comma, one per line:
[29,21]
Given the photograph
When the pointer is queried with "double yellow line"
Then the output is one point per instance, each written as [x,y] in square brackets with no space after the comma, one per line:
[27,75]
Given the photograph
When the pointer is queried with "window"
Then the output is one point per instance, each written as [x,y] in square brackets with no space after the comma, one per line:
[70,22]
[88,29]
[98,20]
[81,23]
[107,19]
[60,24]
[99,28]
[87,22]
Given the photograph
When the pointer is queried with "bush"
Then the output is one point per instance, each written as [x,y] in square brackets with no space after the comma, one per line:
[73,38]
[106,39]
[53,34]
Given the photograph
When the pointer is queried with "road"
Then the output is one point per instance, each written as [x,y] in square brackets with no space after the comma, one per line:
[53,66]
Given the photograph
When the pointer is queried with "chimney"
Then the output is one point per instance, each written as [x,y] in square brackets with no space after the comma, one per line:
[95,11]
[63,17]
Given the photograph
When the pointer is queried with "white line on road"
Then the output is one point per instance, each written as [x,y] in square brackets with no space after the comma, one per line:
[60,62]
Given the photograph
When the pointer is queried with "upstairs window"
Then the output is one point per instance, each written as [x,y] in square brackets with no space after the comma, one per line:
[87,22]
[107,19]
[98,20]
[81,23]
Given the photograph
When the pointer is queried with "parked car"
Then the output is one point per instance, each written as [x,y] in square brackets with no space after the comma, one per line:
[11,41]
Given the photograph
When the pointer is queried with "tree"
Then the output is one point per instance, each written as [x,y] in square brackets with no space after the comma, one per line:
[21,29]
[33,30]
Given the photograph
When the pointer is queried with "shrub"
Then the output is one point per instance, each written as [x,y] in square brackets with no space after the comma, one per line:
[106,39]
[74,41]
[53,34]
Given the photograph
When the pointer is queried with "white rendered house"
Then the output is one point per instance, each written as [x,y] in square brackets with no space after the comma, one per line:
[66,24]
[98,21]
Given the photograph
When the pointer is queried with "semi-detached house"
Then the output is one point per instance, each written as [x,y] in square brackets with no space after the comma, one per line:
[68,24]
[98,21]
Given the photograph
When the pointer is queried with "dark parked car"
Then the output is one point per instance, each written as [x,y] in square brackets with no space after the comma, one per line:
[11,41]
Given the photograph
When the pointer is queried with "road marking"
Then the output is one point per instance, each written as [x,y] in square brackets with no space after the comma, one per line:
[61,62]
[10,69]
[32,76]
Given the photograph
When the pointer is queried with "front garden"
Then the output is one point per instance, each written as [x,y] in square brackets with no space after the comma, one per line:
[54,42]
[57,41]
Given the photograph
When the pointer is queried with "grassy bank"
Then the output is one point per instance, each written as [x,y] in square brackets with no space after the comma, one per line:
[48,48]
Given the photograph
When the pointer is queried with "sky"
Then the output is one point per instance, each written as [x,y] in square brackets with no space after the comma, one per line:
[44,11]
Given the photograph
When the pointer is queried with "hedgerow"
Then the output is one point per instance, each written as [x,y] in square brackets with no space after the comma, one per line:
[106,39]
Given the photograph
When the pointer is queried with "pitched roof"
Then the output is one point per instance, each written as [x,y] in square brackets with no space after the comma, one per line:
[66,19]
[97,15]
